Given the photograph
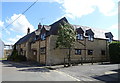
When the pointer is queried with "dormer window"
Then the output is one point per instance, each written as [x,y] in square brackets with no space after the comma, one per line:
[79,36]
[109,36]
[43,36]
[110,40]
[90,38]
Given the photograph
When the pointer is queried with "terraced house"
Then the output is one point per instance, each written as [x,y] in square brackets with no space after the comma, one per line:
[40,44]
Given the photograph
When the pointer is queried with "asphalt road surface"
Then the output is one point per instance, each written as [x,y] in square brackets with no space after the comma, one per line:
[20,72]
[96,72]
[12,71]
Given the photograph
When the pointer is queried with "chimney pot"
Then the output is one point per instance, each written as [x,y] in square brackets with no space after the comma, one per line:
[39,26]
[28,30]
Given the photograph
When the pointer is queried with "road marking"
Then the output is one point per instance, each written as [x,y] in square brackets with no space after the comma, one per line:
[67,75]
[110,72]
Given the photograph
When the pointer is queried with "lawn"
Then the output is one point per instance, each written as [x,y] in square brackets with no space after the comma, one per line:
[3,58]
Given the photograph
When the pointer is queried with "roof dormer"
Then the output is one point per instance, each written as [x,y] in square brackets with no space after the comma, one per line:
[109,36]
[89,32]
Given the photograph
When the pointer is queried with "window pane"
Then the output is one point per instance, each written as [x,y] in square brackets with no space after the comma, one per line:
[78,51]
[90,52]
[102,52]
[43,50]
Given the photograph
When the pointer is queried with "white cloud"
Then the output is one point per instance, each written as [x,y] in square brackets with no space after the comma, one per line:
[79,8]
[1,24]
[11,41]
[20,25]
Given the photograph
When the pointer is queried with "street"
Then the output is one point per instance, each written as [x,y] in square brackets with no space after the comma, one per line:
[20,72]
[96,72]
[12,71]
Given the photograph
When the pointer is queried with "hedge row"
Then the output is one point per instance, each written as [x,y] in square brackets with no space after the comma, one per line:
[114,52]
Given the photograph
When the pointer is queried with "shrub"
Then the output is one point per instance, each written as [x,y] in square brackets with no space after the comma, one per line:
[114,52]
[15,57]
[20,58]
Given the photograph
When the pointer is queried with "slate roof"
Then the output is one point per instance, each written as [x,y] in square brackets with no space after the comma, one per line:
[47,27]
[26,38]
[98,33]
[53,29]
[55,26]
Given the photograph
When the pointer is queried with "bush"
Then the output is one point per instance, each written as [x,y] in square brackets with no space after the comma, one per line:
[12,57]
[114,52]
[15,57]
[20,58]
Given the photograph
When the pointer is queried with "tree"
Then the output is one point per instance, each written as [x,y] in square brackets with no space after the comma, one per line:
[66,38]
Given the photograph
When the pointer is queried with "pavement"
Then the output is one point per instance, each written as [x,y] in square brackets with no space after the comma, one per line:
[29,71]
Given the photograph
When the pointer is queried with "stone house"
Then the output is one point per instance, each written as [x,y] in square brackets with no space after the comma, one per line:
[91,44]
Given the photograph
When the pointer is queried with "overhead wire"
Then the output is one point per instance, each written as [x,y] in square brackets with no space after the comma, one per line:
[20,15]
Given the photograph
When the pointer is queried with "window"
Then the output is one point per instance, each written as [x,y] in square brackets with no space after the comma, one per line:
[90,37]
[43,50]
[78,51]
[36,37]
[90,52]
[102,52]
[110,40]
[43,36]
[79,36]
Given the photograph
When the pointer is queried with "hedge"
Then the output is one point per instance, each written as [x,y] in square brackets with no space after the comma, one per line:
[114,52]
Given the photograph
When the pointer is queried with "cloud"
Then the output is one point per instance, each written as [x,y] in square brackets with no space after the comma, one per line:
[12,41]
[1,24]
[20,25]
[79,8]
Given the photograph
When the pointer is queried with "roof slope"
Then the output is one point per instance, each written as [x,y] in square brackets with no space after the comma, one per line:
[98,33]
[26,38]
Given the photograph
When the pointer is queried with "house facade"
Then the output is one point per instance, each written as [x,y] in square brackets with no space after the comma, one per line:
[1,49]
[91,44]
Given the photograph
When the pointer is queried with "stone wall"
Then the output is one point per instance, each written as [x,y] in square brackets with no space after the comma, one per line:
[56,55]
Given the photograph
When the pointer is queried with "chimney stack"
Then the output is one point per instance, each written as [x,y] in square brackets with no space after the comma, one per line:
[28,30]
[39,26]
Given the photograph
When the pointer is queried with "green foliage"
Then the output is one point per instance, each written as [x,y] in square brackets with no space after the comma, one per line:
[66,36]
[114,52]
[15,57]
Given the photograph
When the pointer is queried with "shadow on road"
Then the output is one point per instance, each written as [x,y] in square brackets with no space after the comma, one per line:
[27,65]
[20,64]
[35,70]
[110,77]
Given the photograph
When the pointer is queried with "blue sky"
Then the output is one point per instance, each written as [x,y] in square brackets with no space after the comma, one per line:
[102,14]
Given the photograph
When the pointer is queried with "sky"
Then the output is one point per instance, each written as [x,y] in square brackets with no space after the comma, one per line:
[99,14]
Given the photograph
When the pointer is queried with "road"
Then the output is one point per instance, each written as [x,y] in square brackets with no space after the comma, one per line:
[96,72]
[12,71]
[20,72]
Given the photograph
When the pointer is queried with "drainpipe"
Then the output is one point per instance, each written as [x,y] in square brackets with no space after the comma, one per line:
[85,49]
[39,51]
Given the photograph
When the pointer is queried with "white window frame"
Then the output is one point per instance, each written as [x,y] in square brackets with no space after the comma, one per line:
[90,37]
[79,36]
